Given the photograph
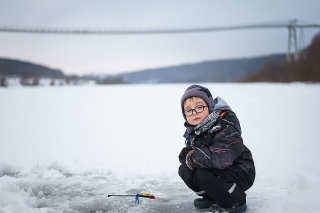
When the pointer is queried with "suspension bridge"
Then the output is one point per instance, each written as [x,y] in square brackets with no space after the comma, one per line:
[291,25]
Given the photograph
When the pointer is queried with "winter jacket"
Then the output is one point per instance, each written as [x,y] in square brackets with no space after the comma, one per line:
[217,142]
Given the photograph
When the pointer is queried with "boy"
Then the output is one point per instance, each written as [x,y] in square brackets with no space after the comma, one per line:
[215,163]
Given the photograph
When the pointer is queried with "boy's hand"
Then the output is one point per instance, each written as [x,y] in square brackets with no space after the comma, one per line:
[189,160]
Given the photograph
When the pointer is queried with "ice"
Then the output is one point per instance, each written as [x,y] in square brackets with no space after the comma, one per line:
[66,149]
[8,169]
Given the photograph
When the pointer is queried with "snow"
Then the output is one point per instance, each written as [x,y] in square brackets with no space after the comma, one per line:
[65,149]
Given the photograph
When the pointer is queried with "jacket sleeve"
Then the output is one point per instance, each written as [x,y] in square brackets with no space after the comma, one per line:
[226,147]
[185,150]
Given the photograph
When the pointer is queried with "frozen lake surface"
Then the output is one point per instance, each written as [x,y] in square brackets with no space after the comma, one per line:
[64,149]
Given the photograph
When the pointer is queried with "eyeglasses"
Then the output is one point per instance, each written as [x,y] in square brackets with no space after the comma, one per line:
[197,109]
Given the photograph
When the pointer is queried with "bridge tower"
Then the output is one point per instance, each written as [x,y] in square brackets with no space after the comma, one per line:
[292,40]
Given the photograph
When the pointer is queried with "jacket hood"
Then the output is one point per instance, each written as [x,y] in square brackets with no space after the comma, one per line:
[220,104]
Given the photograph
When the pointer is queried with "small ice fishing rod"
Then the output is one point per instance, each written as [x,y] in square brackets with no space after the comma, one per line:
[144,195]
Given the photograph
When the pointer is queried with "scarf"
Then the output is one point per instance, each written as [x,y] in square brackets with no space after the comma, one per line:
[206,124]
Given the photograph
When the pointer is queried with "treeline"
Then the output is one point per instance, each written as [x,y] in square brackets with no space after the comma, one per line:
[107,80]
[15,72]
[35,80]
[305,69]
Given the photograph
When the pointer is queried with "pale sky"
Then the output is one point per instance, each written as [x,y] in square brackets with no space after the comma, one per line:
[111,54]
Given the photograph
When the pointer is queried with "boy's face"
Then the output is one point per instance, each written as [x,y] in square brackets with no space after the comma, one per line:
[196,117]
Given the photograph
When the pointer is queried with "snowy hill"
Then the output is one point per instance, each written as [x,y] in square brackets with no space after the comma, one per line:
[17,67]
[65,149]
[229,70]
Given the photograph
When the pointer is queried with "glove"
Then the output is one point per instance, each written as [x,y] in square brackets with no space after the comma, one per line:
[189,160]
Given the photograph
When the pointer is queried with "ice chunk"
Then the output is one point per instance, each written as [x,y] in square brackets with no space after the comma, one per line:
[52,174]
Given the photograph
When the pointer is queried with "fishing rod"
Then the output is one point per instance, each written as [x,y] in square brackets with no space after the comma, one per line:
[144,195]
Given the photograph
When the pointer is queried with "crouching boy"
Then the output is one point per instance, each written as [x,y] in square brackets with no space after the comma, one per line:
[215,163]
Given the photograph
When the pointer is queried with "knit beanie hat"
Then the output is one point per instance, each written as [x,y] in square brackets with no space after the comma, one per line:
[198,91]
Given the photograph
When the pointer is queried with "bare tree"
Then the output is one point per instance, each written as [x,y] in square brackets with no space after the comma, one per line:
[3,81]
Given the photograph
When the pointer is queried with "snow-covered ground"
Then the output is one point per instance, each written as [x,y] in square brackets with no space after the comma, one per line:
[64,149]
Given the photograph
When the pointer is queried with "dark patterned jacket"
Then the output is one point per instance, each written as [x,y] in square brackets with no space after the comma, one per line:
[220,146]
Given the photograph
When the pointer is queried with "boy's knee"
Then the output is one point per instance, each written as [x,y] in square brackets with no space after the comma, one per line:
[180,170]
[185,172]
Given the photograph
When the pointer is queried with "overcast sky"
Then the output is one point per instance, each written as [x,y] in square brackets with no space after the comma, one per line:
[111,54]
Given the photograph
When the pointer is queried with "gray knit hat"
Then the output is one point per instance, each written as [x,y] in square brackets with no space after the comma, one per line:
[198,91]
